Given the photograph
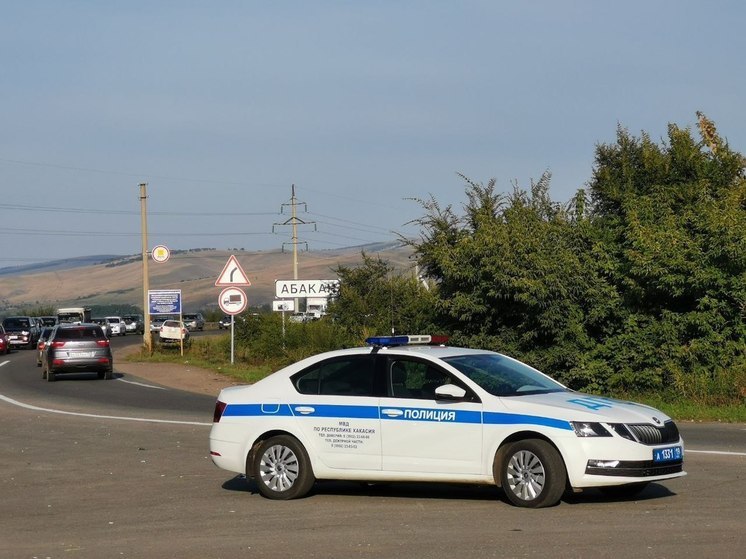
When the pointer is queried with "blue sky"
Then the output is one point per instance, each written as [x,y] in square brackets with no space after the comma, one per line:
[221,106]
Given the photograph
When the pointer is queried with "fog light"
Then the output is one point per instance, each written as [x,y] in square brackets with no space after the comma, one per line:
[603,463]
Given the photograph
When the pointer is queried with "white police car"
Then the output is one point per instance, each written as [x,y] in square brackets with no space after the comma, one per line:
[402,412]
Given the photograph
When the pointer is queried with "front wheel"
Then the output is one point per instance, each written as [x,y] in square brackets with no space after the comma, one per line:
[282,469]
[533,474]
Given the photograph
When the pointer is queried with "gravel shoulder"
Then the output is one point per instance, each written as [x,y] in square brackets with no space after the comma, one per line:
[173,375]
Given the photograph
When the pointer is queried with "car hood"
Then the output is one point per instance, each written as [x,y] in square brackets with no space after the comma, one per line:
[576,406]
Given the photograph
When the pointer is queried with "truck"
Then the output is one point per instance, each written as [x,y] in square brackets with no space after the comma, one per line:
[73,315]
[316,307]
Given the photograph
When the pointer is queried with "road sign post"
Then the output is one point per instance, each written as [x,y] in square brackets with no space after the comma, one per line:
[232,300]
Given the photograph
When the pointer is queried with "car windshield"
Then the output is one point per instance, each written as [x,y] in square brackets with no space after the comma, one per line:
[16,323]
[503,376]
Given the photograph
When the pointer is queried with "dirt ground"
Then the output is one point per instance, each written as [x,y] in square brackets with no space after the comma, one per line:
[173,375]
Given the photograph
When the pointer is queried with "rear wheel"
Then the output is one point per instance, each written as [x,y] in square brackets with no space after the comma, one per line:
[282,469]
[533,474]
[51,377]
[108,375]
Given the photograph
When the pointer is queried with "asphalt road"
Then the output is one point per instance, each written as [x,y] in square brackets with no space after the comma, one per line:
[125,472]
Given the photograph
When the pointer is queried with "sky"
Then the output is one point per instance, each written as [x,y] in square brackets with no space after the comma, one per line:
[364,106]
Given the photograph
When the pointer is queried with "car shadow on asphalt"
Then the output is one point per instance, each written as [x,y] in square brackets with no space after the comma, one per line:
[81,376]
[444,491]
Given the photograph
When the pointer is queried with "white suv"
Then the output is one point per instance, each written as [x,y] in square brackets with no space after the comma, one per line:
[117,327]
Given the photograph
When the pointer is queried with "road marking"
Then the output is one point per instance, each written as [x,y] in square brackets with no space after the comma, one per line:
[95,416]
[4,363]
[142,384]
[726,453]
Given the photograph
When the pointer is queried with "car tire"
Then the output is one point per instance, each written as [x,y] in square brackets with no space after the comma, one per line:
[282,469]
[44,372]
[108,375]
[51,377]
[533,474]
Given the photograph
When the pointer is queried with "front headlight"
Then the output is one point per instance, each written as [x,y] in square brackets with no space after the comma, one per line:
[589,429]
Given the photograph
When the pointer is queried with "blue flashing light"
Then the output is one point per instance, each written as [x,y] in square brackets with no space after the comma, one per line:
[388,341]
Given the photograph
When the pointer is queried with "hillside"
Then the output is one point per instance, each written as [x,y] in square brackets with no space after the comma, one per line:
[119,281]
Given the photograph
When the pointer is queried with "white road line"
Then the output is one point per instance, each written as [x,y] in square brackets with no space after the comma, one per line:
[4,363]
[726,453]
[141,384]
[95,416]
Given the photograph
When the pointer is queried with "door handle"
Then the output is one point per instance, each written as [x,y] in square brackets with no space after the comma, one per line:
[304,410]
[392,412]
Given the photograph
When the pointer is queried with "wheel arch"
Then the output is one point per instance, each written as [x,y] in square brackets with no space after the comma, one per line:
[260,439]
[499,455]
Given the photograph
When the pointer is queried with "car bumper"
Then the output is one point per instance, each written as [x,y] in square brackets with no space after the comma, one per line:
[82,365]
[19,340]
[595,462]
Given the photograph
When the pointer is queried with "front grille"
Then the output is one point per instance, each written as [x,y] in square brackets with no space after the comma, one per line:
[648,434]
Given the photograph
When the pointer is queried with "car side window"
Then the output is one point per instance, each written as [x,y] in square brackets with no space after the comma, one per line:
[407,378]
[349,376]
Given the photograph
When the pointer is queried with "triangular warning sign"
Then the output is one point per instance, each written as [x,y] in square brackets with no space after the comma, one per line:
[232,274]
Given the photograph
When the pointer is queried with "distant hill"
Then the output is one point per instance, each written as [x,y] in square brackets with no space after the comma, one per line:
[104,280]
[57,265]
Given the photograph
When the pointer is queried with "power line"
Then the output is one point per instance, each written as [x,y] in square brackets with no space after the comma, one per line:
[23,207]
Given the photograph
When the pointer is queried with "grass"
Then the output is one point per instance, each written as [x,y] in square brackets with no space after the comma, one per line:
[210,354]
[690,410]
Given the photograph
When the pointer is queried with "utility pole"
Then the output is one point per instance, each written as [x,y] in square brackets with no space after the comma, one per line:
[294,221]
[147,337]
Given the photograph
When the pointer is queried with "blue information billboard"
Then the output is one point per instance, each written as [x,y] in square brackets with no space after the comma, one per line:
[164,301]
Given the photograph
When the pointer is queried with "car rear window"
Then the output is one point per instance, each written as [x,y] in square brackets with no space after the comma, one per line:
[83,333]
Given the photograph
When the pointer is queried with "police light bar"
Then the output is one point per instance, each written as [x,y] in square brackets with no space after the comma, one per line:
[388,341]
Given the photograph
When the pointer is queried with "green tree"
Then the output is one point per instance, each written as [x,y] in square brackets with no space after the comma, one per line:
[673,222]
[517,274]
[375,300]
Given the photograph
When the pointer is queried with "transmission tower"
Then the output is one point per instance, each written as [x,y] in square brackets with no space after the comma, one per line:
[294,222]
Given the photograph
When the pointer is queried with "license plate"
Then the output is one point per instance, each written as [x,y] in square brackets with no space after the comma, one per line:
[81,354]
[13,337]
[667,454]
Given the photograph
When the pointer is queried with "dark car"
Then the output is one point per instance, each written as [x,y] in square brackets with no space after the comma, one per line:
[194,321]
[224,322]
[43,337]
[48,320]
[22,331]
[73,348]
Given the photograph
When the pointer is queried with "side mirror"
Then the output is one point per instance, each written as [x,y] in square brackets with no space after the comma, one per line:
[449,392]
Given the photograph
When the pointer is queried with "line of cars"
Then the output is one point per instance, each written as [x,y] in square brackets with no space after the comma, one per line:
[83,347]
[22,331]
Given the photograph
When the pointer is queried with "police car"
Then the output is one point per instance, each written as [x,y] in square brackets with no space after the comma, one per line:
[400,410]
